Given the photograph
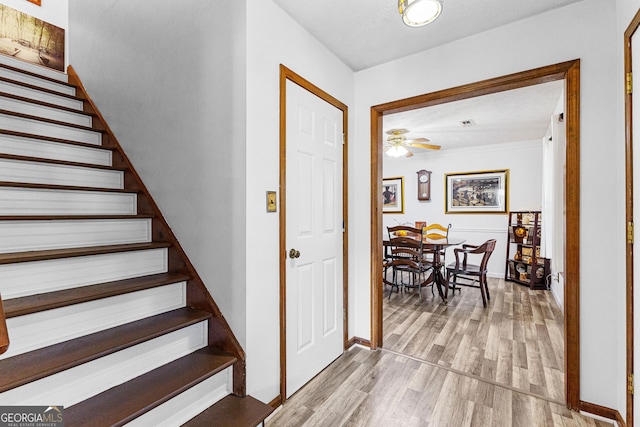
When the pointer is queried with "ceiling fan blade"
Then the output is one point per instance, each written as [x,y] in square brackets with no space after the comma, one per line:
[427,146]
[409,154]
[411,141]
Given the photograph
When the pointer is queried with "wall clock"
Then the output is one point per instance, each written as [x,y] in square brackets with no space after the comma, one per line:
[424,185]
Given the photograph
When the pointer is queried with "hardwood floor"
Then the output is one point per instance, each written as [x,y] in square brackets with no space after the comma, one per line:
[385,389]
[454,365]
[517,341]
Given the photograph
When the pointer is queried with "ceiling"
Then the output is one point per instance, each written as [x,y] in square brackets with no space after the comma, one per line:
[363,37]
[364,33]
[516,115]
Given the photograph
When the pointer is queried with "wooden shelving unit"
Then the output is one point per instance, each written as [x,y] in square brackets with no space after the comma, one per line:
[524,264]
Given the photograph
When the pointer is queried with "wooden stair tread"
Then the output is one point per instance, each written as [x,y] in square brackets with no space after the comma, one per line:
[60,162]
[71,217]
[128,401]
[232,411]
[27,367]
[46,301]
[64,187]
[45,104]
[52,139]
[28,256]
[47,120]
[34,74]
[41,89]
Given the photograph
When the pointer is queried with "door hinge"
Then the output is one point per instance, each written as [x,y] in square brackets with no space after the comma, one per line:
[629,83]
[630,383]
[630,232]
[344,138]
[344,313]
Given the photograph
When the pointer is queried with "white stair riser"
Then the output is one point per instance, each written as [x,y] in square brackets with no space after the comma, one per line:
[189,403]
[42,111]
[30,278]
[38,69]
[35,81]
[32,201]
[54,174]
[30,147]
[38,330]
[84,381]
[35,127]
[38,95]
[21,236]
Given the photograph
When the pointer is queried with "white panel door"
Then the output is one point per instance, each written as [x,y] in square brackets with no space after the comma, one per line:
[314,298]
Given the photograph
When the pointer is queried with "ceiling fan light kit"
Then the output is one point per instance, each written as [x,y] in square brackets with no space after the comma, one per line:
[416,13]
[397,151]
[397,143]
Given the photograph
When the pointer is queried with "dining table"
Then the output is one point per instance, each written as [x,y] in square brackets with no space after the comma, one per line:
[437,245]
[434,246]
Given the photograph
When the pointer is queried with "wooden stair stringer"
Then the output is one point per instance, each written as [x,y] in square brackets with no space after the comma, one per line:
[220,334]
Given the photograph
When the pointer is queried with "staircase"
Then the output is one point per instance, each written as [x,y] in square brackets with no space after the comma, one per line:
[105,314]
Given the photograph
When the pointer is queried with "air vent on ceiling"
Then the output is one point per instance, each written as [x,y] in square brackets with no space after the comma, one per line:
[467,123]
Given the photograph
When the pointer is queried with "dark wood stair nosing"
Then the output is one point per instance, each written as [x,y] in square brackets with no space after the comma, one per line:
[20,306]
[78,217]
[46,104]
[38,76]
[29,256]
[51,121]
[232,411]
[61,162]
[37,364]
[127,401]
[65,187]
[56,140]
[44,89]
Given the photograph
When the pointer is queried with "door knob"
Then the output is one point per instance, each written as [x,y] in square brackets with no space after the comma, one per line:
[294,253]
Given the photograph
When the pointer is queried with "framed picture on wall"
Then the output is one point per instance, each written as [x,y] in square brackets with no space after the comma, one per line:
[477,192]
[393,195]
[31,39]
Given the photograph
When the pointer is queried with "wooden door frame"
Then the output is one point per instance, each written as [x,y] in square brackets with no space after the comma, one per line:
[288,74]
[628,126]
[569,72]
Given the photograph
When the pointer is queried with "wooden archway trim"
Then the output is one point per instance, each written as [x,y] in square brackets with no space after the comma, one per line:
[628,109]
[569,72]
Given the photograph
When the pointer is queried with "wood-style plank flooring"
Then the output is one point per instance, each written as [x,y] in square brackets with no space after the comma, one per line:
[448,366]
[516,341]
[384,389]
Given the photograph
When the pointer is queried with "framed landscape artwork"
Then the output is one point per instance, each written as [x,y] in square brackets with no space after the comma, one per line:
[393,195]
[477,192]
[30,39]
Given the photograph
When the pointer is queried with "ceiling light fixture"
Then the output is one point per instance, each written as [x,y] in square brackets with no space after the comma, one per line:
[416,13]
[397,151]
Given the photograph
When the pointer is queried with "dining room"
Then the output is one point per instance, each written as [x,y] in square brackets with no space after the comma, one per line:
[466,165]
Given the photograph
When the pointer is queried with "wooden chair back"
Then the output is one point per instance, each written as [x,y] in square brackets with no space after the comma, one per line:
[436,231]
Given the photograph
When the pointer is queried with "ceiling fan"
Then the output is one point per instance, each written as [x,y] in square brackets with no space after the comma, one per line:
[397,143]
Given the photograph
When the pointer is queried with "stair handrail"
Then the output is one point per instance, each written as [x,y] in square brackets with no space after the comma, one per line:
[4,332]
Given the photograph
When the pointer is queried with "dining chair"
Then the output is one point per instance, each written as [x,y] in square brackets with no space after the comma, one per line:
[471,275]
[405,259]
[436,232]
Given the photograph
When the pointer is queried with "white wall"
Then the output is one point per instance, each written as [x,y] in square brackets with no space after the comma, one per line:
[584,30]
[273,39]
[171,83]
[522,159]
